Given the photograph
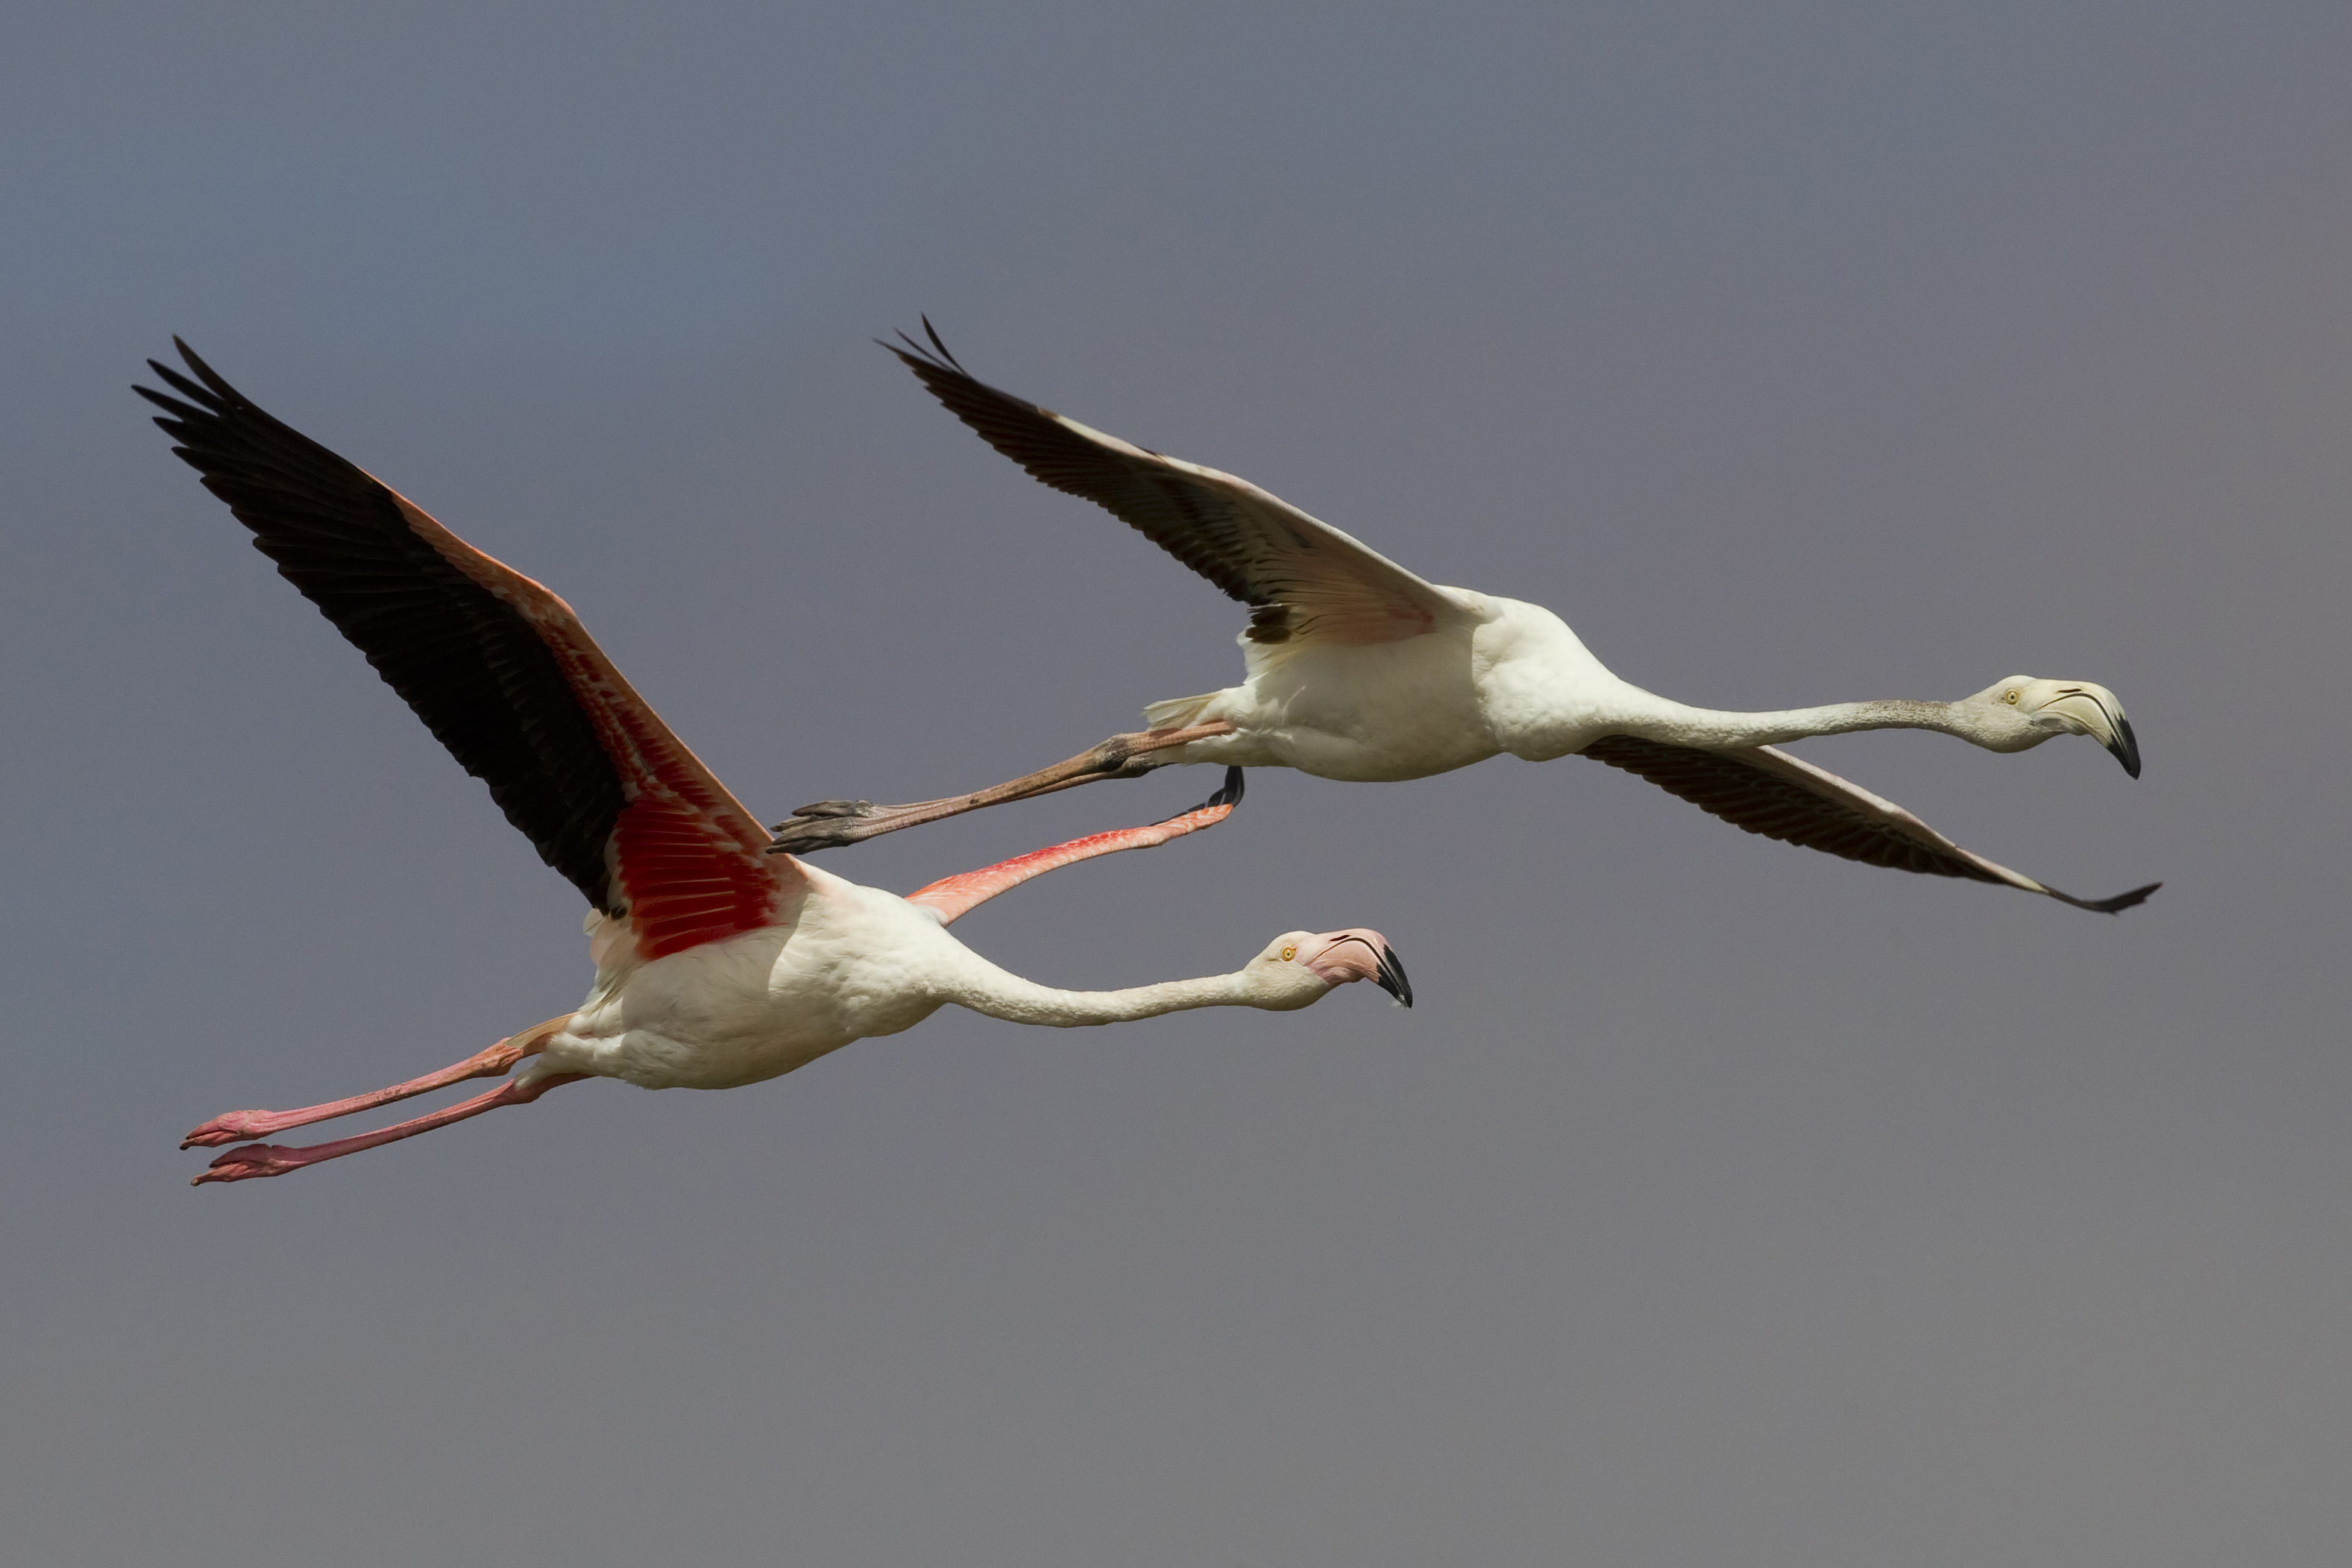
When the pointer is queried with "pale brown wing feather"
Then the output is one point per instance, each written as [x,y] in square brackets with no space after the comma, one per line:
[1301,576]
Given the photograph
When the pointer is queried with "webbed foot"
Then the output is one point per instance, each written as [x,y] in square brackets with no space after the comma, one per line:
[251,1161]
[231,1128]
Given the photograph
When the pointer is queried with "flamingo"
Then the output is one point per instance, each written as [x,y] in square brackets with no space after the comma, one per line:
[718,962]
[1358,670]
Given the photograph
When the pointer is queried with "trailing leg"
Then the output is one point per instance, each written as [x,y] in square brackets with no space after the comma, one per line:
[255,1160]
[232,1126]
[828,825]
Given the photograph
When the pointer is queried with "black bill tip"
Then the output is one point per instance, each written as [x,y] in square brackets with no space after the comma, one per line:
[1390,978]
[2126,746]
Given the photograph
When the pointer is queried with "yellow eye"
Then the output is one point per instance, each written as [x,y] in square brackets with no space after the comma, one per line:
[2011,695]
[1291,952]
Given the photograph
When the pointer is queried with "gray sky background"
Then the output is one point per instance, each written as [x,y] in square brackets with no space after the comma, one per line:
[1721,1203]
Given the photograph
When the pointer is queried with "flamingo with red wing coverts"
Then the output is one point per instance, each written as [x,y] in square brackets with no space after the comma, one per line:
[719,963]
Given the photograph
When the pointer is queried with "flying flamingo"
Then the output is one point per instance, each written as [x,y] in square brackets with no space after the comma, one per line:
[719,963]
[1359,670]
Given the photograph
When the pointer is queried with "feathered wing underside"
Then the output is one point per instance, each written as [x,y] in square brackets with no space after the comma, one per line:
[500,669]
[1301,578]
[1765,791]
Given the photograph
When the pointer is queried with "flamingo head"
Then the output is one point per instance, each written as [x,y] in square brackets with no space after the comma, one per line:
[1300,967]
[2021,712]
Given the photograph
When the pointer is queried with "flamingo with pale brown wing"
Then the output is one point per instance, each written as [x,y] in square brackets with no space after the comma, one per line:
[1359,670]
[719,963]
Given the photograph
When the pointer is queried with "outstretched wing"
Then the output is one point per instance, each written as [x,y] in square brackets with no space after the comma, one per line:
[1301,578]
[502,673]
[1763,790]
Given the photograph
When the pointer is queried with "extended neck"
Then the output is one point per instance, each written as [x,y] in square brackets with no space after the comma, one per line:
[1716,730]
[990,990]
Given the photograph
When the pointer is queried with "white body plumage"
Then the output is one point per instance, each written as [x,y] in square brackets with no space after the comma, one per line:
[857,962]
[1362,671]
[1504,676]
[854,961]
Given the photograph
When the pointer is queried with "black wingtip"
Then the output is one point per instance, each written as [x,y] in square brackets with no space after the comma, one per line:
[214,380]
[937,357]
[2115,906]
[211,391]
[205,372]
[2124,901]
[942,344]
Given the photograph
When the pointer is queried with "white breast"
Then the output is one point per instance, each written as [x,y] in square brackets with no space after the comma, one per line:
[1542,693]
[857,962]
[1359,712]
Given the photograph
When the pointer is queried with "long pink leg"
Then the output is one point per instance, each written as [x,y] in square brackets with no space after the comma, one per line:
[232,1126]
[274,1159]
[828,825]
[954,895]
